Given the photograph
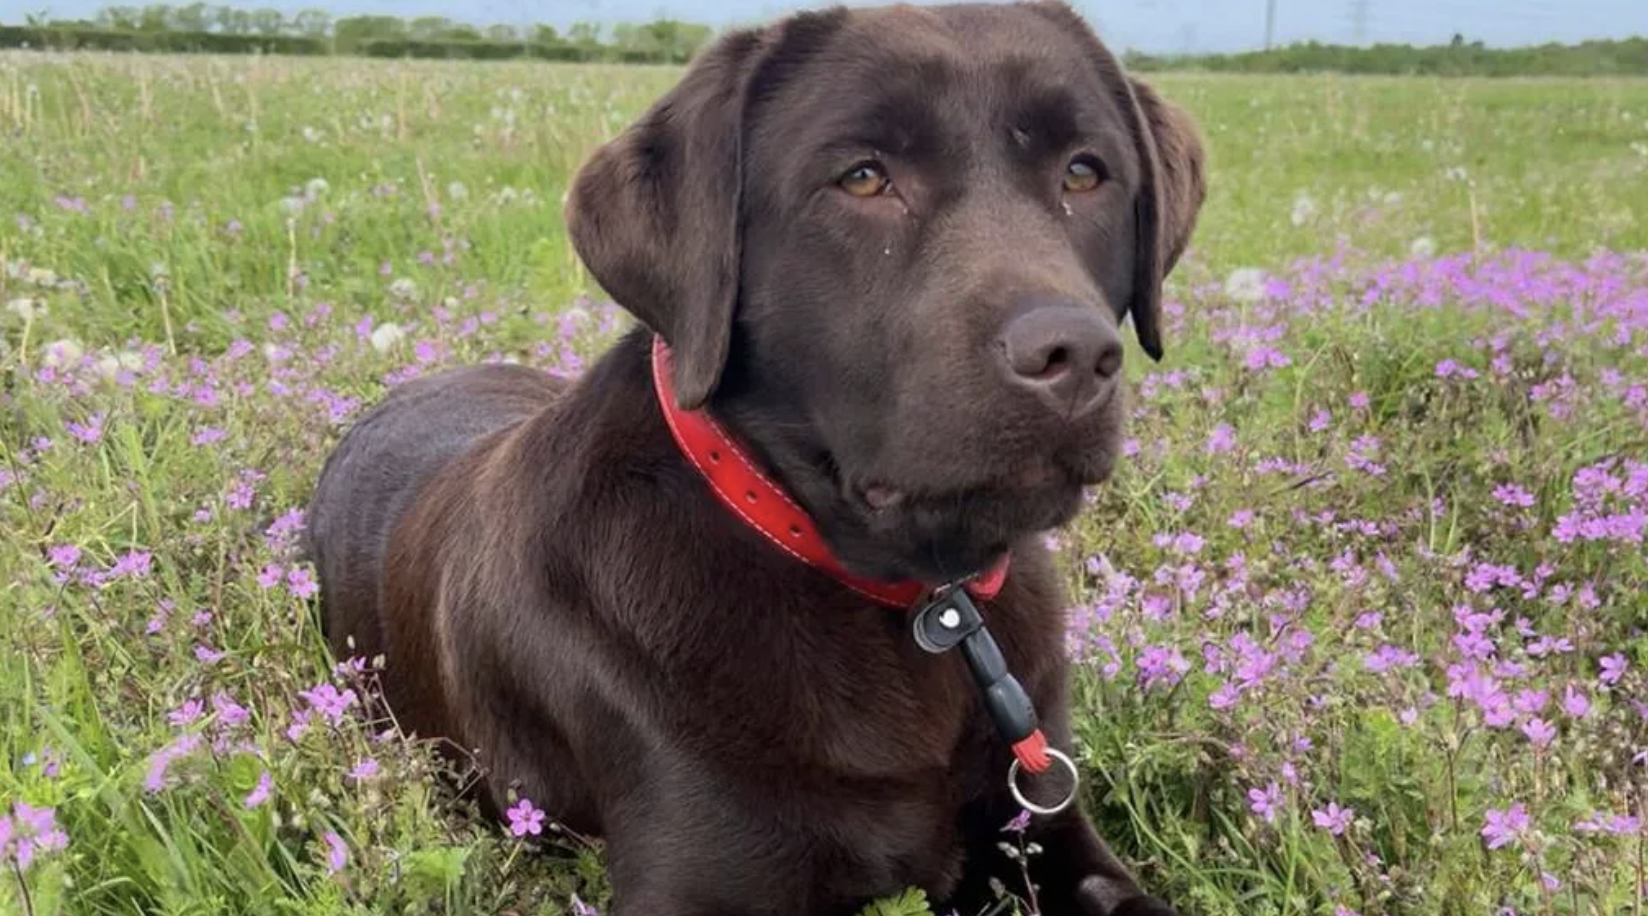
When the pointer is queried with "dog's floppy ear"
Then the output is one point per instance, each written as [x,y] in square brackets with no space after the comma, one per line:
[1172,172]
[654,213]
[1167,209]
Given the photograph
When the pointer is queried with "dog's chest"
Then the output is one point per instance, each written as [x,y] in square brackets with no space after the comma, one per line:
[865,701]
[879,741]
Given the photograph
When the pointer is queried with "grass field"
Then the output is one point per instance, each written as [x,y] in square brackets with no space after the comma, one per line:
[1360,625]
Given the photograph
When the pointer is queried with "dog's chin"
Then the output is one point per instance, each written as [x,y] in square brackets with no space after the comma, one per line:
[939,536]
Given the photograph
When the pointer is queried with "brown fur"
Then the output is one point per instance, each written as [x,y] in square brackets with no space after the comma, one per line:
[932,374]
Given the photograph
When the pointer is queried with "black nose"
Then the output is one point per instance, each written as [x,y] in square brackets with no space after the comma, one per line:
[1065,352]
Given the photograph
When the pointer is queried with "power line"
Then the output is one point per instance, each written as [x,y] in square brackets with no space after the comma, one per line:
[1359,20]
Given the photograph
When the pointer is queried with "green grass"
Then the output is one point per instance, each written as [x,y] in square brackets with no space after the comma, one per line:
[211,234]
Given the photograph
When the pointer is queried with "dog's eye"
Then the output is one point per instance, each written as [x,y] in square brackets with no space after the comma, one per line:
[1082,174]
[867,179]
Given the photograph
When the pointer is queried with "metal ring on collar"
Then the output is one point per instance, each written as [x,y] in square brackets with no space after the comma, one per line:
[1018,796]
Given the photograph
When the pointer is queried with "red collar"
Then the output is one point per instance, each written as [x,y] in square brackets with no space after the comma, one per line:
[764,506]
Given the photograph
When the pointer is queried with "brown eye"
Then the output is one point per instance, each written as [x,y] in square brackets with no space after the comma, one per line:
[1082,175]
[867,179]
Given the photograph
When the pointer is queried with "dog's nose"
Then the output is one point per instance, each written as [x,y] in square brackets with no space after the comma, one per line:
[1066,353]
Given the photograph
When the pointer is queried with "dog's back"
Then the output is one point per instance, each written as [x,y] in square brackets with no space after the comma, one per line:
[370,479]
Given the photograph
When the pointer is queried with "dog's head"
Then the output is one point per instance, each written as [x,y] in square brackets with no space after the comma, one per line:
[891,248]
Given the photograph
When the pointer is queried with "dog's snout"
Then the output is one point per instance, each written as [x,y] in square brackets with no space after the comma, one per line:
[1063,351]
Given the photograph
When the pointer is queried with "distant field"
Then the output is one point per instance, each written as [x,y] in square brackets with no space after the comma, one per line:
[1361,623]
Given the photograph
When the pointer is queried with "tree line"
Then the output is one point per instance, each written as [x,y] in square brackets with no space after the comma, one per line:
[1623,57]
[201,27]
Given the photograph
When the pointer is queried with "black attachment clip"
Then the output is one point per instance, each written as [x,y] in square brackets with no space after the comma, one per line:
[951,619]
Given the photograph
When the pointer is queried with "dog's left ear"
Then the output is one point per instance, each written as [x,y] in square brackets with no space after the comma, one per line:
[1173,183]
[655,214]
[1168,205]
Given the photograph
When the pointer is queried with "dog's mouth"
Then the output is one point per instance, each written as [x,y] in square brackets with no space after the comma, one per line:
[900,530]
[880,498]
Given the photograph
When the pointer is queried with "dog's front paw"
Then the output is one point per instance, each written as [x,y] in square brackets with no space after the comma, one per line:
[1104,896]
[1143,906]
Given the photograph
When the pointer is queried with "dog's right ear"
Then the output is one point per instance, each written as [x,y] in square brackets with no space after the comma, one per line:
[1173,167]
[655,213]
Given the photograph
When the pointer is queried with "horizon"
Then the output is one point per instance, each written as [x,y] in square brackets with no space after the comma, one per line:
[1148,26]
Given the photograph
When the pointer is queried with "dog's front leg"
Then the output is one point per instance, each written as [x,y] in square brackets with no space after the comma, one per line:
[1074,871]
[679,848]
[659,903]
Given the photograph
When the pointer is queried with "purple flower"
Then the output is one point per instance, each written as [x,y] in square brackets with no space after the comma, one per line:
[163,613]
[134,563]
[1018,824]
[229,713]
[1265,802]
[208,435]
[300,724]
[1161,665]
[1613,668]
[63,556]
[337,852]
[1225,696]
[580,908]
[1624,825]
[1449,368]
[364,770]
[260,793]
[161,761]
[525,819]
[1266,357]
[30,831]
[270,576]
[1512,495]
[187,713]
[1540,733]
[301,582]
[1222,439]
[1387,657]
[1333,819]
[1500,828]
[1575,703]
[1531,702]
[330,702]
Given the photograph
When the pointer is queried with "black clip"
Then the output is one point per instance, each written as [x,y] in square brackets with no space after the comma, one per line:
[950,619]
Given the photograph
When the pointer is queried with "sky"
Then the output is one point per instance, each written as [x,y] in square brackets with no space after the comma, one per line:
[1153,26]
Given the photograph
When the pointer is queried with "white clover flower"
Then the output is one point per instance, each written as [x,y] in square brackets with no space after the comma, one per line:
[60,353]
[1304,209]
[25,308]
[403,288]
[385,336]
[1245,284]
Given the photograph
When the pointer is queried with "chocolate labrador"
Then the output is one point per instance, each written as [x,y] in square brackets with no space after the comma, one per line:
[699,601]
